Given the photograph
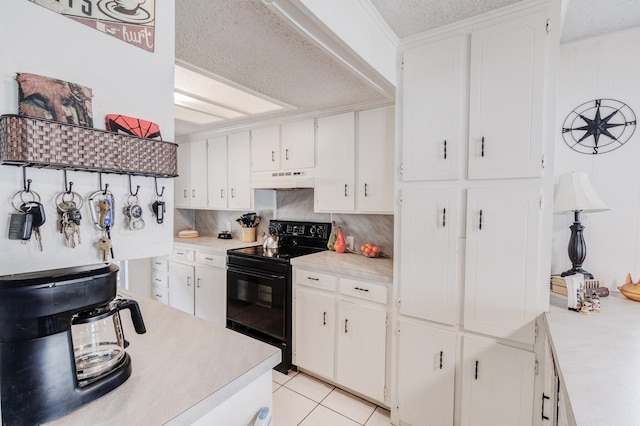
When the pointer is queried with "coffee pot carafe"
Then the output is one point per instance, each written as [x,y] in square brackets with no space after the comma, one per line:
[98,339]
[61,341]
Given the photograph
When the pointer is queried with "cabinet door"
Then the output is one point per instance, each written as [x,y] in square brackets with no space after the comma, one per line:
[239,171]
[198,174]
[502,261]
[434,96]
[298,145]
[315,327]
[181,183]
[211,294]
[217,161]
[181,287]
[265,149]
[375,160]
[428,278]
[426,365]
[506,99]
[361,354]
[497,384]
[335,171]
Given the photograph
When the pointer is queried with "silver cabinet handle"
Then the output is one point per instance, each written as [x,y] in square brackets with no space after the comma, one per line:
[346,322]
[345,189]
[286,154]
[480,220]
[482,148]
[198,282]
[445,149]
[184,194]
[361,289]
[441,355]
[313,278]
[193,193]
[233,193]
[188,281]
[273,156]
[444,217]
[222,193]
[477,363]
[365,190]
[324,318]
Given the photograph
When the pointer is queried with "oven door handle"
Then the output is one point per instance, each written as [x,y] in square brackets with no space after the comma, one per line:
[255,273]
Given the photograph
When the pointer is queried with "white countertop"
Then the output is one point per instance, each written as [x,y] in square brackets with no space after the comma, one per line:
[599,359]
[213,244]
[356,265]
[183,367]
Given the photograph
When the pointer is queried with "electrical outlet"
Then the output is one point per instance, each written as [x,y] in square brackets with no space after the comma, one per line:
[349,240]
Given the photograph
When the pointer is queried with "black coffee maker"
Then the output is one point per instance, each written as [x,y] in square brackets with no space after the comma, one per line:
[61,341]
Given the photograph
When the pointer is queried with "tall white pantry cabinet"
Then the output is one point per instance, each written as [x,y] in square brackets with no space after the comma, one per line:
[475,189]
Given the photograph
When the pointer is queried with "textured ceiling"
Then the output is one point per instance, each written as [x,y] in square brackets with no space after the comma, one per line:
[244,42]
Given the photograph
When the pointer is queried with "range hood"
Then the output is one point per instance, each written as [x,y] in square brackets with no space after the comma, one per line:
[283,179]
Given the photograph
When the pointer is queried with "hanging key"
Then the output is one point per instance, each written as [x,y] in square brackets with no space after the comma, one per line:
[20,226]
[36,210]
[104,207]
[133,212]
[104,245]
[159,208]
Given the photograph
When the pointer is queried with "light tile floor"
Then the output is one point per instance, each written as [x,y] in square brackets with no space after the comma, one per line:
[299,399]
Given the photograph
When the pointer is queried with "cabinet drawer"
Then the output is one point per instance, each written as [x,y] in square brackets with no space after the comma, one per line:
[160,264]
[161,294]
[363,290]
[159,279]
[184,255]
[209,259]
[315,279]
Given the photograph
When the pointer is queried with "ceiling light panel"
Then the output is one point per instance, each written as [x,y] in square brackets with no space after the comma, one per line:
[191,102]
[206,88]
[191,116]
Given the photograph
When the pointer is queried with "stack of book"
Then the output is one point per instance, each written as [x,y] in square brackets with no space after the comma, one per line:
[559,286]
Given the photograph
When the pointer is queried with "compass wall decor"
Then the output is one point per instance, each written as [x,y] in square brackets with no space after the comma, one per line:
[599,126]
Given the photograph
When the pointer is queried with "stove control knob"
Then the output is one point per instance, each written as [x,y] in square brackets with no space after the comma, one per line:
[313,230]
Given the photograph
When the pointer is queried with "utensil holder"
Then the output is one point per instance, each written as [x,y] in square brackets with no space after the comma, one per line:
[248,235]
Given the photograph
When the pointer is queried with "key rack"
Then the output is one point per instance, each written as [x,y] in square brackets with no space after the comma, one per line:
[35,142]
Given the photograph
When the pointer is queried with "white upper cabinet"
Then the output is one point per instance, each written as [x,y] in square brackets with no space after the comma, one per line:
[265,149]
[298,145]
[290,146]
[354,167]
[218,190]
[507,98]
[239,171]
[434,98]
[374,192]
[428,283]
[502,261]
[229,172]
[335,173]
[191,185]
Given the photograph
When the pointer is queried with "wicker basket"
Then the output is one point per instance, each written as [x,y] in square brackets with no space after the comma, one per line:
[27,141]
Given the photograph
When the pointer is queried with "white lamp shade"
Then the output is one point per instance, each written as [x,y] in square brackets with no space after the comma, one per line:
[575,193]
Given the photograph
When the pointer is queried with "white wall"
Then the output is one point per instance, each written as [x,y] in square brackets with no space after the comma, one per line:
[125,80]
[602,67]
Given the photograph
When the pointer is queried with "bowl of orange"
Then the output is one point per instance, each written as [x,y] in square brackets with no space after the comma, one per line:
[370,250]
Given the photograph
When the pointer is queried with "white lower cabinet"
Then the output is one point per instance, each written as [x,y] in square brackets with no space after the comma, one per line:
[426,373]
[315,331]
[361,351]
[199,286]
[341,331]
[497,384]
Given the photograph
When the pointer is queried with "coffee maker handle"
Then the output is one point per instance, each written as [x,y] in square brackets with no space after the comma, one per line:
[136,314]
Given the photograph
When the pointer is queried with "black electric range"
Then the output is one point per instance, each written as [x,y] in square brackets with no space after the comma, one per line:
[259,297]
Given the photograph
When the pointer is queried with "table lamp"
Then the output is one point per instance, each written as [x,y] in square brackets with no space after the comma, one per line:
[574,193]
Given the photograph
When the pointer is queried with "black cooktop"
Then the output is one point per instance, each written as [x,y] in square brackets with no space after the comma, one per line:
[295,239]
[283,253]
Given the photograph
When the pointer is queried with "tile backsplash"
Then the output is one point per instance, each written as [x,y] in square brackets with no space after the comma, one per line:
[291,205]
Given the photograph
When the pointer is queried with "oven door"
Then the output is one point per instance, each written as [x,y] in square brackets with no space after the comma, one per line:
[257,302]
